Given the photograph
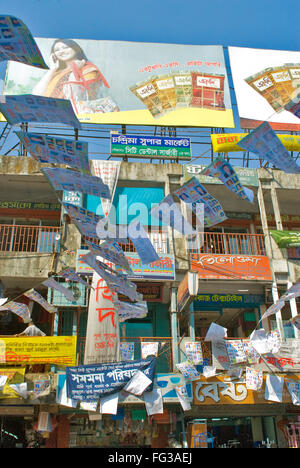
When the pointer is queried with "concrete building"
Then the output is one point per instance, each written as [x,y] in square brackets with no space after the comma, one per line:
[237,274]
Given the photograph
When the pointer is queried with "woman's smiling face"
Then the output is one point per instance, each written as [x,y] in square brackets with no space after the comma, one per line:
[64,52]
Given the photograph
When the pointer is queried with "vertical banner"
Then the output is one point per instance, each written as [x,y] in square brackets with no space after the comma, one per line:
[109,173]
[102,335]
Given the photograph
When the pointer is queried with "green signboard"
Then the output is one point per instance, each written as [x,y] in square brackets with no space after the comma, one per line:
[246,175]
[150,146]
[210,301]
[286,239]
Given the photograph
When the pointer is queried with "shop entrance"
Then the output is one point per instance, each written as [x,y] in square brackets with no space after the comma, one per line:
[12,432]
[231,432]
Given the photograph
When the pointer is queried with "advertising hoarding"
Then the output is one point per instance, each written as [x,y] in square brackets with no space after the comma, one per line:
[264,82]
[116,82]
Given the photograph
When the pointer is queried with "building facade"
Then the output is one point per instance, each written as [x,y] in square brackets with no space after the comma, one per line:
[229,275]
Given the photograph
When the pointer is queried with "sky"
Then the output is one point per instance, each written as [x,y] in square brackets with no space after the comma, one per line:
[248,23]
[264,24]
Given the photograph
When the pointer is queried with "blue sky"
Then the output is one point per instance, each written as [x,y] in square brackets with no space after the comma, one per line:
[248,23]
[265,24]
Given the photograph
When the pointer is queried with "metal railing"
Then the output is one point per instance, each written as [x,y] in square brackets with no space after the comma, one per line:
[14,238]
[228,243]
[164,357]
[158,239]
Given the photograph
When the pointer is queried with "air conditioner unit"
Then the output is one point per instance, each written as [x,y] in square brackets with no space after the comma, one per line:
[78,290]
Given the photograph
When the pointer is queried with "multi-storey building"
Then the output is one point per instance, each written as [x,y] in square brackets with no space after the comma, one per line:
[236,272]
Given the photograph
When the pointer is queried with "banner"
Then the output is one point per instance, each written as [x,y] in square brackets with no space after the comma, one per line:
[286,239]
[229,142]
[19,309]
[224,171]
[127,351]
[51,283]
[140,239]
[70,274]
[170,214]
[194,193]
[211,266]
[111,251]
[153,84]
[17,43]
[127,310]
[35,296]
[150,147]
[85,221]
[117,282]
[91,382]
[264,142]
[264,82]
[102,342]
[67,179]
[53,150]
[108,171]
[30,108]
[56,350]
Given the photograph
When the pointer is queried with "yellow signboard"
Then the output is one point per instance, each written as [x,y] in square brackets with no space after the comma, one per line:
[217,390]
[59,350]
[228,142]
[15,375]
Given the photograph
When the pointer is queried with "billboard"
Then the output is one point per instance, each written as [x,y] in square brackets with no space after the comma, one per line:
[264,82]
[118,82]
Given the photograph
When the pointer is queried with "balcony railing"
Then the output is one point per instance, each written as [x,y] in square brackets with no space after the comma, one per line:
[159,241]
[164,359]
[14,238]
[228,243]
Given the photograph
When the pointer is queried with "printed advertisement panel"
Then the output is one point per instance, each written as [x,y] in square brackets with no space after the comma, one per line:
[220,390]
[210,266]
[59,350]
[264,82]
[116,82]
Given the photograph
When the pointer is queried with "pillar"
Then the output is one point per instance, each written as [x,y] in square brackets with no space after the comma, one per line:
[174,333]
[192,322]
[270,431]
[257,429]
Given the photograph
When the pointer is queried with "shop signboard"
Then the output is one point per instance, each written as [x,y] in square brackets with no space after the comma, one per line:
[232,267]
[58,350]
[187,289]
[246,175]
[222,391]
[151,292]
[166,383]
[229,142]
[227,300]
[150,147]
[286,239]
[265,81]
[150,84]
[162,269]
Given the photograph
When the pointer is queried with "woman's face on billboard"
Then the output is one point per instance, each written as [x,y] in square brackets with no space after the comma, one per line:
[63,52]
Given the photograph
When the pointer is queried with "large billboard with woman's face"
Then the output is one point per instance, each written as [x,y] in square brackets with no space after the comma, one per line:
[116,82]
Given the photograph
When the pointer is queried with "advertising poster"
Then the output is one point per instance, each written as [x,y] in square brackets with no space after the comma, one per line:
[102,335]
[59,350]
[120,82]
[265,81]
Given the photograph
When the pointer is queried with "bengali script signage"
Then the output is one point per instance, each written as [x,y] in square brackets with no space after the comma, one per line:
[162,269]
[218,390]
[246,175]
[156,147]
[227,300]
[229,142]
[59,350]
[15,375]
[247,267]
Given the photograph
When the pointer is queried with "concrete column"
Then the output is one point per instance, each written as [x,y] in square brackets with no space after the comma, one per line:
[175,352]
[192,322]
[270,431]
[257,428]
[294,310]
[279,323]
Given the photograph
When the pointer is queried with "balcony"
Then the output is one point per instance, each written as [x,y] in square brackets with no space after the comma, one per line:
[43,239]
[228,244]
[164,358]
